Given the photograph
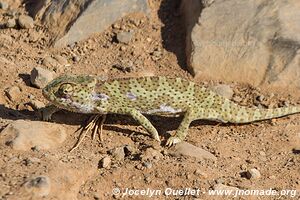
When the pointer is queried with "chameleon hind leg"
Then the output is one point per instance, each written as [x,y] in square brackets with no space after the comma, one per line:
[93,124]
[199,113]
[141,119]
[182,130]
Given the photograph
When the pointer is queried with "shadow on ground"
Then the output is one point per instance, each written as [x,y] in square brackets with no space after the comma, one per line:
[163,124]
[173,31]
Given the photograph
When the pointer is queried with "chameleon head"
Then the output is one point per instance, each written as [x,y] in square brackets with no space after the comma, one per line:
[72,93]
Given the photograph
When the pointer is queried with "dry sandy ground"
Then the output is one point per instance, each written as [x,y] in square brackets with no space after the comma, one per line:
[157,48]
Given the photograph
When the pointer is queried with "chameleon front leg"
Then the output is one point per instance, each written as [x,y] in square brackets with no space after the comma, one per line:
[141,119]
[48,111]
[182,130]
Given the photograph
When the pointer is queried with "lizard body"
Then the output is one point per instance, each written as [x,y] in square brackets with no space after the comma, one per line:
[151,95]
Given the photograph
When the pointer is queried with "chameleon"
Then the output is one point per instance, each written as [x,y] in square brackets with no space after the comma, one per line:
[150,95]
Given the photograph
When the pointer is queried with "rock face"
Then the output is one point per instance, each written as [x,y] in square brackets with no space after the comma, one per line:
[71,21]
[250,41]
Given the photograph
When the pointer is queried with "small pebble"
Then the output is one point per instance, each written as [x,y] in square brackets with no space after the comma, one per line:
[25,22]
[148,179]
[30,161]
[48,61]
[34,36]
[36,104]
[147,164]
[36,148]
[260,98]
[124,37]
[237,99]
[220,181]
[11,23]
[151,154]
[286,103]
[123,68]
[11,13]
[135,22]
[262,153]
[39,186]
[156,54]
[97,196]
[221,186]
[3,5]
[31,96]
[253,174]
[116,26]
[61,60]
[199,172]
[22,106]
[118,153]
[123,27]
[129,150]
[76,58]
[223,90]
[105,162]
[123,48]
[13,93]
[139,167]
[272,177]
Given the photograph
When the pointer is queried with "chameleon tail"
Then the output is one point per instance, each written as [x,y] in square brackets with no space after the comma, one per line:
[245,115]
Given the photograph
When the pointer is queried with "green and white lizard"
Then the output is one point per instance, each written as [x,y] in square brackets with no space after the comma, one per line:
[150,95]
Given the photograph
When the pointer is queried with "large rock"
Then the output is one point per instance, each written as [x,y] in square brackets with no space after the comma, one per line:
[25,135]
[189,150]
[252,41]
[40,77]
[25,22]
[74,20]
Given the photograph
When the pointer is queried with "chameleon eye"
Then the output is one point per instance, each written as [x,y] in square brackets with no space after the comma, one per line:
[65,89]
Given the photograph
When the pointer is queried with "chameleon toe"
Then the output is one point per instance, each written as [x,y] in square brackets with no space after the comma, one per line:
[173,140]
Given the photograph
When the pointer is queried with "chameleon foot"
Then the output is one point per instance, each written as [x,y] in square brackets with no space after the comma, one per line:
[45,116]
[47,112]
[93,124]
[173,140]
[100,123]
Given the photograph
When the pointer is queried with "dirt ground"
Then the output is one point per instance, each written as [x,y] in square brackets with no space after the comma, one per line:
[157,48]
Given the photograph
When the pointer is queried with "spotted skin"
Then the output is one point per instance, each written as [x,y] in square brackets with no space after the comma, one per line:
[150,95]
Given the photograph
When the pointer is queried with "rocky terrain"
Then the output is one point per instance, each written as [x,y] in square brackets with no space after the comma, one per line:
[35,161]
